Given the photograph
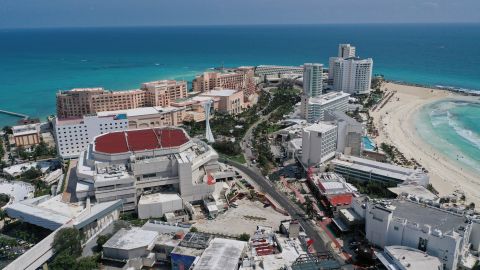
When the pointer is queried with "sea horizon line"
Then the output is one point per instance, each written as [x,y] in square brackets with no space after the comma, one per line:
[239,25]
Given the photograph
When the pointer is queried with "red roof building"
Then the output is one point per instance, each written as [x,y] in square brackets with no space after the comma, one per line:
[140,140]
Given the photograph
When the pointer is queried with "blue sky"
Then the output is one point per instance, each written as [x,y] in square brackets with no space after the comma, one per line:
[66,13]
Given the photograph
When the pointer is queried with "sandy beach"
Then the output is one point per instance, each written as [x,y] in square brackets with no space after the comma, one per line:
[396,126]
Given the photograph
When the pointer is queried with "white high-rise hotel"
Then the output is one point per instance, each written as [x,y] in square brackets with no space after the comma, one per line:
[349,73]
[313,102]
[319,142]
[312,84]
[346,50]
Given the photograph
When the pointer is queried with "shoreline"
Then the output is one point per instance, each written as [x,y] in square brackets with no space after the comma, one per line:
[396,123]
[453,89]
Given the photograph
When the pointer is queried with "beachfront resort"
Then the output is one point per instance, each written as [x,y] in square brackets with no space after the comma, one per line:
[254,167]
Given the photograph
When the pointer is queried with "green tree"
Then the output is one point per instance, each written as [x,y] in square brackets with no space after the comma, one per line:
[285,84]
[69,241]
[193,229]
[2,149]
[32,173]
[87,263]
[7,130]
[101,240]
[471,206]
[62,261]
[244,237]
[309,210]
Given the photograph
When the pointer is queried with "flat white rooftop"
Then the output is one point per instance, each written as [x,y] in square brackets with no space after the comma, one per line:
[320,127]
[131,239]
[221,254]
[414,190]
[159,198]
[408,258]
[379,168]
[291,250]
[19,168]
[140,111]
[329,185]
[328,98]
[275,66]
[66,209]
[17,190]
[25,129]
[220,92]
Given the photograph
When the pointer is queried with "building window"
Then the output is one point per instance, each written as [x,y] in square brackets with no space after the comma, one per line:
[422,244]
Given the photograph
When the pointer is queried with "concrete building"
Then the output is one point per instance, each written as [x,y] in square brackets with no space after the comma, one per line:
[53,214]
[124,165]
[360,169]
[74,135]
[439,233]
[405,258]
[285,250]
[150,117]
[352,75]
[312,84]
[194,107]
[318,106]
[277,71]
[158,204]
[133,246]
[26,135]
[331,190]
[312,79]
[221,254]
[241,78]
[84,101]
[162,93]
[189,249]
[346,51]
[350,132]
[229,101]
[319,142]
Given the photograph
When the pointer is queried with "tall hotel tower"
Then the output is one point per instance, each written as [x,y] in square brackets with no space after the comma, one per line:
[312,84]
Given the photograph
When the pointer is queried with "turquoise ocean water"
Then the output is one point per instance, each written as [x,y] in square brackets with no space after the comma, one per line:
[453,127]
[36,63]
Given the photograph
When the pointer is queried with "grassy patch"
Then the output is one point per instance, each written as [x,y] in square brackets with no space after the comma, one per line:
[237,158]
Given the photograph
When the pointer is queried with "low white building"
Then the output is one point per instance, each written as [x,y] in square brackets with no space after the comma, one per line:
[317,106]
[361,169]
[26,135]
[278,71]
[221,254]
[319,142]
[405,258]
[438,232]
[158,204]
[133,246]
[54,214]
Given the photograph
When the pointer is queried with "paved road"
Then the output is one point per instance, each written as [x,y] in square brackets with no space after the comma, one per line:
[293,210]
[247,138]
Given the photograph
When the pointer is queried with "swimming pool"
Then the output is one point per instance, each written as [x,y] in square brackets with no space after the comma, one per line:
[368,144]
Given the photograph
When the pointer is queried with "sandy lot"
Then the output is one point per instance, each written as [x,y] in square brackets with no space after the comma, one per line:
[243,219]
